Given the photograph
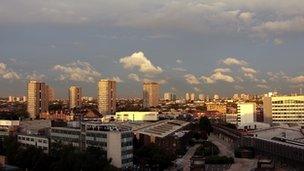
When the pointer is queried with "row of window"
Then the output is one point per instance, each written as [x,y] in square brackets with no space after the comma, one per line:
[31,139]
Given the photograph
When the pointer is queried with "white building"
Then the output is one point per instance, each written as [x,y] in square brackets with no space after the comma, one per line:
[246,113]
[169,96]
[136,116]
[36,141]
[283,109]
[115,139]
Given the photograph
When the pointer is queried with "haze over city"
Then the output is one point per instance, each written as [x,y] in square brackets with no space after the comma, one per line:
[210,47]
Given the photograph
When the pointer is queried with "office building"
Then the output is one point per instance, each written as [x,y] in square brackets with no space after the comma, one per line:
[116,140]
[38,101]
[136,116]
[107,97]
[75,94]
[51,93]
[283,109]
[150,94]
[246,113]
[40,142]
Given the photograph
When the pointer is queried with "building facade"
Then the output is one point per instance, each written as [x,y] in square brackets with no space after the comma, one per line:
[37,98]
[283,109]
[136,116]
[150,94]
[116,140]
[107,97]
[36,141]
[75,94]
[246,113]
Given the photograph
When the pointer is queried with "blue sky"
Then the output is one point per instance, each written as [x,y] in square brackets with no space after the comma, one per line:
[207,46]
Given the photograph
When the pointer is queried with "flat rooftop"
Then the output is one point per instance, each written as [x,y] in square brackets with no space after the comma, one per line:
[162,128]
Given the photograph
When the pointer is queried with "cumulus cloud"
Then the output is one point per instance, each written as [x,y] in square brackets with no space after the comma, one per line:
[217,76]
[134,77]
[233,61]
[246,17]
[249,72]
[297,79]
[77,71]
[191,79]
[278,27]
[35,76]
[179,69]
[224,70]
[179,61]
[7,73]
[139,60]
[207,80]
[263,86]
[277,41]
[117,79]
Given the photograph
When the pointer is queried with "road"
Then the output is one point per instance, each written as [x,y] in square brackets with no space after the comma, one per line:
[184,162]
[186,158]
[227,150]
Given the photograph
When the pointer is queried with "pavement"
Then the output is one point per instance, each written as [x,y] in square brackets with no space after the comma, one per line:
[226,149]
[184,162]
[186,158]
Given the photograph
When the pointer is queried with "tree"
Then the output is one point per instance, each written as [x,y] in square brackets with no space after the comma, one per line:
[154,156]
[205,125]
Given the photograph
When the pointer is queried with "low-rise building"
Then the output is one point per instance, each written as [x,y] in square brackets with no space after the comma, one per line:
[136,116]
[8,127]
[36,141]
[116,140]
[220,107]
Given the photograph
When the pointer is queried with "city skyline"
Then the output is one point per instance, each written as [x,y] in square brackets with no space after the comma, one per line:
[212,47]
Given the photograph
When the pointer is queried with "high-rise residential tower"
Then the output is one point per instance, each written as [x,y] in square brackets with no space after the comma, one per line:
[75,94]
[150,94]
[107,96]
[37,98]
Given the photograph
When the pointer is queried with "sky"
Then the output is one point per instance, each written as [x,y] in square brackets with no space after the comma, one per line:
[208,46]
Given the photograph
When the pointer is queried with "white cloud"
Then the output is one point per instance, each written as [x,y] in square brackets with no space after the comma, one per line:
[77,71]
[217,76]
[179,61]
[264,86]
[197,89]
[134,77]
[35,76]
[7,73]
[223,70]
[222,77]
[233,61]
[117,79]
[249,72]
[297,79]
[179,69]
[138,59]
[191,79]
[207,80]
[279,27]
[246,17]
[277,41]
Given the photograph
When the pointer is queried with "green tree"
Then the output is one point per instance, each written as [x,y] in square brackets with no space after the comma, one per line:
[205,125]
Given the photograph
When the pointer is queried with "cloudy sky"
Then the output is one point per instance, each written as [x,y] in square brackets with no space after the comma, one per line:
[206,46]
